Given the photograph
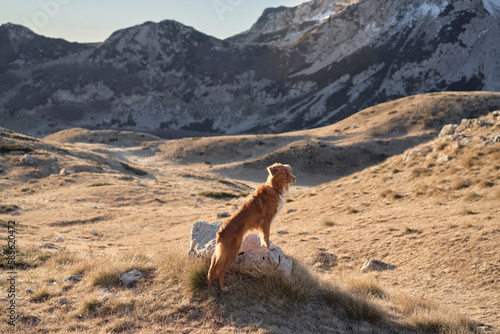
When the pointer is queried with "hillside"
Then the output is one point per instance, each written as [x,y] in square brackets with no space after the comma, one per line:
[126,201]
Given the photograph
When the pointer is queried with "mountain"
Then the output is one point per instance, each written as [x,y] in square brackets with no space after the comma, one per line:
[295,68]
[284,26]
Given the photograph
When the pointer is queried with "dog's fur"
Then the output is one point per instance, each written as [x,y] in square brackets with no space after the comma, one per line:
[255,215]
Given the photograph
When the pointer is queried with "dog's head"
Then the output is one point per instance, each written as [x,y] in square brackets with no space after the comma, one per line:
[280,176]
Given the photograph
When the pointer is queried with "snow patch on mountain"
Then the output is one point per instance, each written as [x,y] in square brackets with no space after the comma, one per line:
[492,7]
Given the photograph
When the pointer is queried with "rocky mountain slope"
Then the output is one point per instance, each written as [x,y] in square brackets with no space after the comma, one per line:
[296,68]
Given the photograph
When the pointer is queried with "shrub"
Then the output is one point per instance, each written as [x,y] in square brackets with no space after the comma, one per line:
[219,195]
[328,223]
[40,296]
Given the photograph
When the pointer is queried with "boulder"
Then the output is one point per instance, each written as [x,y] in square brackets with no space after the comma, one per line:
[448,130]
[376,265]
[253,258]
[203,238]
[128,279]
[221,215]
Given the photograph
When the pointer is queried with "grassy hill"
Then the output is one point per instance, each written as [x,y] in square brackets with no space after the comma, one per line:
[386,183]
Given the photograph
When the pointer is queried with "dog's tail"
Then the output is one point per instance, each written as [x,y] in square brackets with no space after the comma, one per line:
[213,272]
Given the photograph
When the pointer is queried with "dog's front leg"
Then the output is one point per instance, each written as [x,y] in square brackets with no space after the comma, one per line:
[266,230]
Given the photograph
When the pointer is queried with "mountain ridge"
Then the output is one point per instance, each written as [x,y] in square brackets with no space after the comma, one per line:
[161,77]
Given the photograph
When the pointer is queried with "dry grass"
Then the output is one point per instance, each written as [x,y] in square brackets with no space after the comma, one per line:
[174,291]
[328,223]
[390,194]
[432,224]
[460,183]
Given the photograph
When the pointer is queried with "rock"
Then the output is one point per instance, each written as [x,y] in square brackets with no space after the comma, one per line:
[48,245]
[95,233]
[104,289]
[223,215]
[442,157]
[60,239]
[72,278]
[376,265]
[493,138]
[203,238]
[27,158]
[253,259]
[63,172]
[291,210]
[448,130]
[63,301]
[282,232]
[128,279]
[29,291]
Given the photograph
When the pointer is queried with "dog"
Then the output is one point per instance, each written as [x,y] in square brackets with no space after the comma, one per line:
[255,215]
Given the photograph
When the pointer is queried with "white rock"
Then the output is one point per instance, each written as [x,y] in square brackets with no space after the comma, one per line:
[448,130]
[254,259]
[203,238]
[442,157]
[376,265]
[128,279]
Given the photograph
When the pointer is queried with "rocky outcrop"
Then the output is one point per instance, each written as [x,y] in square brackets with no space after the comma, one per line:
[253,258]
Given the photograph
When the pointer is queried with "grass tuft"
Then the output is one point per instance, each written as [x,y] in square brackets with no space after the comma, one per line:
[196,276]
[40,296]
[24,258]
[300,287]
[328,223]
[389,194]
[351,210]
[355,307]
[91,305]
[369,287]
[461,184]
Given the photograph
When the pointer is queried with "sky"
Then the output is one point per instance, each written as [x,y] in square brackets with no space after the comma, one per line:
[95,20]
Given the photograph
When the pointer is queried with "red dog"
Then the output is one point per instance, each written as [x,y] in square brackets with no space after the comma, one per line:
[256,214]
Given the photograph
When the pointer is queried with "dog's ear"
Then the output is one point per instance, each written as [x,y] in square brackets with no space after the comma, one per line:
[274,169]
